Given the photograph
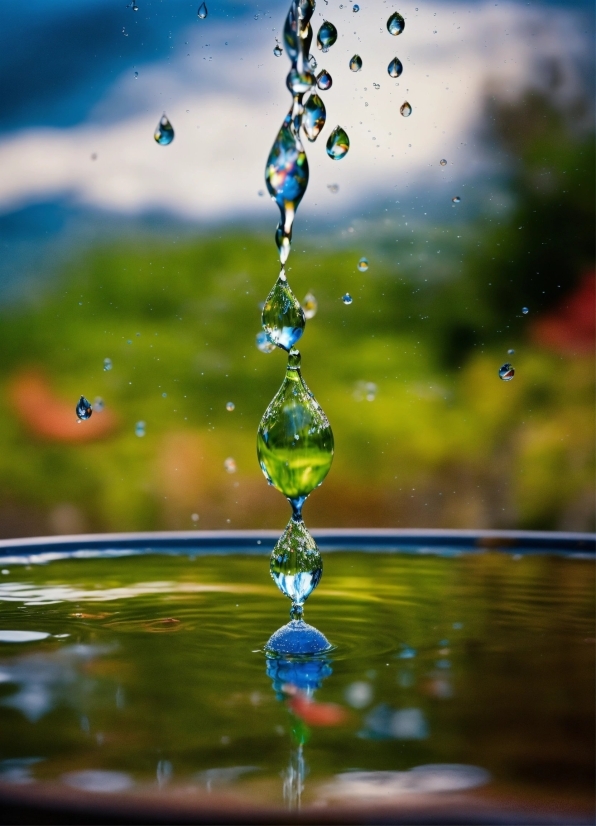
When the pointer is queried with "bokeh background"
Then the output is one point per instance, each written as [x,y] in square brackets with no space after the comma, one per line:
[158,258]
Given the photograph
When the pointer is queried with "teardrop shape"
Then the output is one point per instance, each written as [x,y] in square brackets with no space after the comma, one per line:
[83,409]
[338,144]
[294,439]
[164,134]
[395,68]
[326,36]
[405,109]
[283,317]
[203,11]
[314,116]
[356,63]
[296,564]
[324,80]
[396,24]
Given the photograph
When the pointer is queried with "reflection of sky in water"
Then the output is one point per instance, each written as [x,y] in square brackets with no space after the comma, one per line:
[421,779]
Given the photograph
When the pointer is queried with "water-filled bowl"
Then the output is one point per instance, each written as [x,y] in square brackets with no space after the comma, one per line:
[136,684]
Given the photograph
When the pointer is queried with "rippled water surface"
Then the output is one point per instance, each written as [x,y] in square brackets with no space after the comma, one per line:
[474,673]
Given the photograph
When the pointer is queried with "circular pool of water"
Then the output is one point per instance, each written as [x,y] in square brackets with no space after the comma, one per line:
[135,684]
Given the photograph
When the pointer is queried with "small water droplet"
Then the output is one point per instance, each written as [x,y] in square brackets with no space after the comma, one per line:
[405,109]
[164,134]
[313,119]
[230,406]
[107,364]
[324,80]
[264,343]
[456,199]
[510,352]
[395,24]
[333,188]
[312,62]
[83,409]
[277,50]
[356,63]
[525,310]
[134,6]
[395,67]
[338,144]
[230,465]
[356,8]
[506,372]
[164,395]
[363,265]
[347,298]
[98,404]
[283,317]
[202,11]
[194,517]
[326,36]
[443,162]
[136,74]
[309,306]
[140,429]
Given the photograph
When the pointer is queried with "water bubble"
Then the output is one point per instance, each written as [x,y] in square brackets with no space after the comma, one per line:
[326,36]
[309,306]
[338,144]
[506,372]
[98,404]
[314,116]
[396,24]
[456,200]
[277,50]
[140,429]
[230,465]
[333,188]
[395,67]
[230,406]
[283,317]
[347,298]
[83,409]
[296,564]
[525,310]
[164,134]
[405,109]
[107,364]
[363,265]
[324,80]
[356,7]
[356,63]
[264,343]
[202,11]
[510,352]
[443,162]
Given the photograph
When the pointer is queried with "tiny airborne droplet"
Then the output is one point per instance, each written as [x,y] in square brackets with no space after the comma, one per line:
[525,310]
[338,144]
[309,306]
[264,343]
[312,62]
[230,406]
[395,68]
[347,298]
[405,109]
[278,51]
[324,80]
[396,24]
[326,36]
[363,265]
[333,188]
[510,352]
[456,200]
[83,409]
[230,465]
[107,364]
[140,429]
[203,11]
[356,8]
[443,162]
[136,74]
[98,404]
[356,63]
[506,372]
[164,134]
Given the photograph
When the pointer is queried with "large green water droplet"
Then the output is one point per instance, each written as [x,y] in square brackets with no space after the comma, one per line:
[294,440]
[326,36]
[338,144]
[283,317]
[313,119]
[296,563]
[396,24]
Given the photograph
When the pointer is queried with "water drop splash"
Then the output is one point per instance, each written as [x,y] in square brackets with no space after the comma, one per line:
[356,63]
[396,24]
[230,406]
[314,116]
[107,364]
[83,409]
[405,109]
[164,134]
[310,306]
[264,343]
[363,265]
[338,144]
[140,429]
[395,68]
[230,465]
[506,372]
[326,36]
[283,318]
[324,80]
[525,310]
[347,298]
[443,162]
[296,565]
[203,11]
[277,50]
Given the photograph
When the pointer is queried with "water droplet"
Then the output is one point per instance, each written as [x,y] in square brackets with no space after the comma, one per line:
[396,24]
[338,144]
[277,50]
[202,11]
[456,200]
[324,80]
[405,109]
[510,352]
[230,465]
[326,36]
[525,310]
[314,116]
[309,306]
[98,404]
[365,390]
[83,409]
[333,188]
[294,439]
[230,406]
[283,318]
[164,134]
[296,564]
[299,83]
[134,6]
[356,8]
[443,162]
[140,429]
[107,364]
[506,372]
[194,517]
[312,62]
[264,343]
[356,63]
[136,74]
[363,265]
[347,298]
[395,67]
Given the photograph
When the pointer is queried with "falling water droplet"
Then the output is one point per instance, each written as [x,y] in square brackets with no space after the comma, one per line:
[264,343]
[309,306]
[140,429]
[107,364]
[456,199]
[314,116]
[203,11]
[396,24]
[230,465]
[136,74]
[294,439]
[525,310]
[277,50]
[333,188]
[356,63]
[363,265]
[347,298]
[443,162]
[356,7]
[230,406]
[326,36]
[510,352]
[338,144]
[312,62]
[164,134]
[506,372]
[83,409]
[324,80]
[283,317]
[296,564]
[405,109]
[395,67]
[98,404]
